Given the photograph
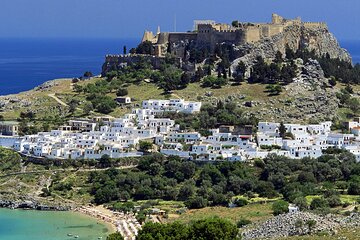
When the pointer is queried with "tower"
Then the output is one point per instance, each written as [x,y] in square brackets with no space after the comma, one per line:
[276,19]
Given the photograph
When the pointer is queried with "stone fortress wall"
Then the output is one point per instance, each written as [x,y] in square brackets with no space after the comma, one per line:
[209,33]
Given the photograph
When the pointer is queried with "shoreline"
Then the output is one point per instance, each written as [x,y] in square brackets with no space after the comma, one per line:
[46,85]
[126,224]
[37,87]
[111,227]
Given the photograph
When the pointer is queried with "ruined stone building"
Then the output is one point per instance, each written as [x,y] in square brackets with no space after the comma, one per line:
[208,33]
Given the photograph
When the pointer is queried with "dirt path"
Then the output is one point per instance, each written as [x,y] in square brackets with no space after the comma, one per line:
[52,95]
[177,96]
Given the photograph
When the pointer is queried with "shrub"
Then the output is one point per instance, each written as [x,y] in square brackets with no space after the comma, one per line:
[115,236]
[196,202]
[280,207]
[334,201]
[243,222]
[122,92]
[319,203]
[240,202]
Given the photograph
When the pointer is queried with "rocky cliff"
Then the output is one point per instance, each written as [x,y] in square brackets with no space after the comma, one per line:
[318,39]
[310,97]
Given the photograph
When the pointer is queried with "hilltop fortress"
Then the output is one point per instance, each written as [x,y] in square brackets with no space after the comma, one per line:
[208,33]
[246,41]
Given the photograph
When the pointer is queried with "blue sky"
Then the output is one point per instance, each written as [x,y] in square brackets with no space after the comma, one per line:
[129,18]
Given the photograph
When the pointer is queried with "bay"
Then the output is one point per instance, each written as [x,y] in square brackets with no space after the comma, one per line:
[47,225]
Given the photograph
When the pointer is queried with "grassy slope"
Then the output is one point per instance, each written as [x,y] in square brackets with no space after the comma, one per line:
[142,91]
[253,212]
[40,99]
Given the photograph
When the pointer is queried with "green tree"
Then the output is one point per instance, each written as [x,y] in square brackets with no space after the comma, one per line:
[213,229]
[282,130]
[77,88]
[354,105]
[333,200]
[88,107]
[354,188]
[157,231]
[235,23]
[103,104]
[240,72]
[332,81]
[311,224]
[124,50]
[243,222]
[73,105]
[196,202]
[278,57]
[280,207]
[318,204]
[240,202]
[301,203]
[145,146]
[122,92]
[88,74]
[290,54]
[115,236]
[186,191]
[274,89]
[145,48]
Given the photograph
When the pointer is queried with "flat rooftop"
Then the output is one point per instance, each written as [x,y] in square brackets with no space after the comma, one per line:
[9,123]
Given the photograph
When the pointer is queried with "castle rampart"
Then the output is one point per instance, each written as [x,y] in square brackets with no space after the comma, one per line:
[208,33]
[315,24]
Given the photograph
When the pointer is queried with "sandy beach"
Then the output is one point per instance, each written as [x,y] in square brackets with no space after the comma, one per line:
[126,224]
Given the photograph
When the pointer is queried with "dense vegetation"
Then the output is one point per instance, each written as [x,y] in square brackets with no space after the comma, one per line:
[115,236]
[9,160]
[172,178]
[207,229]
[342,71]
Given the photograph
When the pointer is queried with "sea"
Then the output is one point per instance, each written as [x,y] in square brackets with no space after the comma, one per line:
[26,63]
[43,225]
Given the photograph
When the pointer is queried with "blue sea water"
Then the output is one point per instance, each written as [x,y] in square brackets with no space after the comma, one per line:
[42,225]
[26,63]
[353,46]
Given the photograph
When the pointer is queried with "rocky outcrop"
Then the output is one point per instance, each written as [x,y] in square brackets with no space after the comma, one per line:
[318,39]
[309,98]
[300,223]
[31,204]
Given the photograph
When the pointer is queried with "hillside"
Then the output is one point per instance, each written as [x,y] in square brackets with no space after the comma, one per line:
[254,99]
[298,73]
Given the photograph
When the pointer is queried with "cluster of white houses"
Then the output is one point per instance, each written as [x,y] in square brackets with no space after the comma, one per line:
[120,137]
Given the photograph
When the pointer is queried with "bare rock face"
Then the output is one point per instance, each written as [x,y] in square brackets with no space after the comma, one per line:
[309,97]
[318,39]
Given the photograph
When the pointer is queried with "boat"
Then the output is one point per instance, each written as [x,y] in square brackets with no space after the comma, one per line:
[77,236]
[69,234]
